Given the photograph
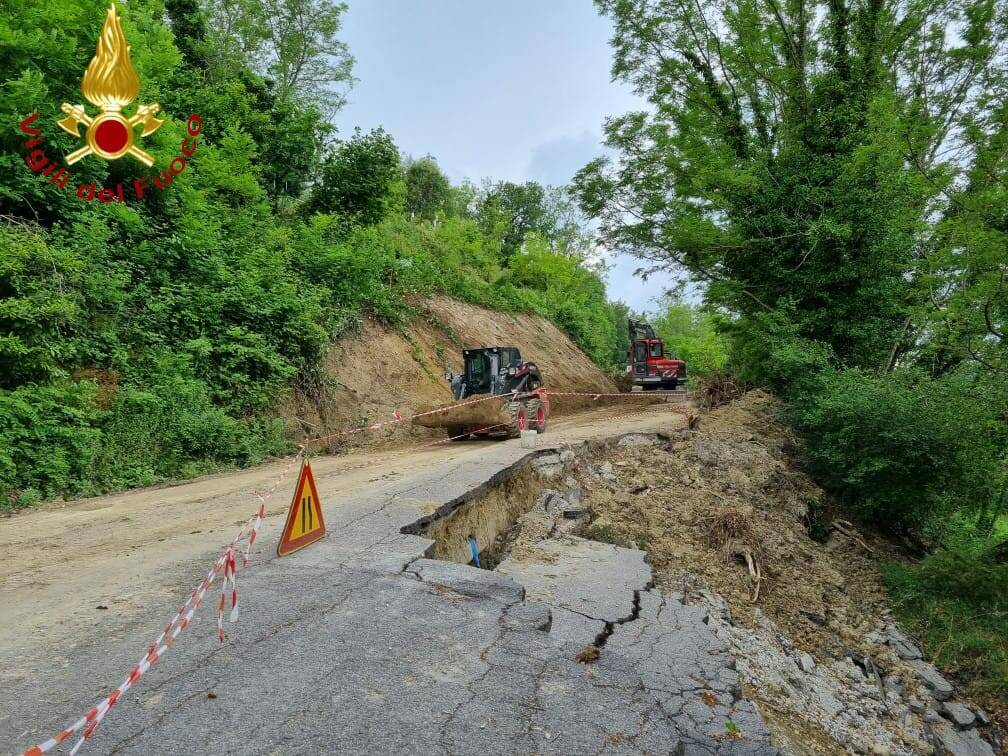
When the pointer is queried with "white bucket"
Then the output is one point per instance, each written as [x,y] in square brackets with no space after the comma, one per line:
[529,439]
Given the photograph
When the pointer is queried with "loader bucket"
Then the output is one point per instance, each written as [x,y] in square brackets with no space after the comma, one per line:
[491,411]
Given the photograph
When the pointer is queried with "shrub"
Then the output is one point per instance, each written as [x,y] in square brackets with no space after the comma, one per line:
[956,603]
[899,449]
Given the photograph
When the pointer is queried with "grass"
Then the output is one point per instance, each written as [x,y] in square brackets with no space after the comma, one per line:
[956,604]
[603,534]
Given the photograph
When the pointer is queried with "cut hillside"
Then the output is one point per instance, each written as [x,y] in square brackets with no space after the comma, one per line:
[376,371]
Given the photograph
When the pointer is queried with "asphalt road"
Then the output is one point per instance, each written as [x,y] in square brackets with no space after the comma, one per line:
[358,644]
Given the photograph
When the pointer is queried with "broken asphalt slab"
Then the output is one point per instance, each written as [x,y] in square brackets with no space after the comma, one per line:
[358,644]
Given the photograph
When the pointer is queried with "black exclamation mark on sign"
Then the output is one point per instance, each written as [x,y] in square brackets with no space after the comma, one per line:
[306,511]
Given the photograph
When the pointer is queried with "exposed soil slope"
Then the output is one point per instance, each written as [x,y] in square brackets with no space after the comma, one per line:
[376,371]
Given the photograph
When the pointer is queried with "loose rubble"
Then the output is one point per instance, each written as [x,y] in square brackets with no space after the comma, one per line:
[819,651]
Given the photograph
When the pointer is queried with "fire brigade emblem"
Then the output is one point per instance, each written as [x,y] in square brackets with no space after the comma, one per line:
[110,83]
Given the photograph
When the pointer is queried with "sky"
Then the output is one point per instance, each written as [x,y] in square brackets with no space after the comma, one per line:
[509,91]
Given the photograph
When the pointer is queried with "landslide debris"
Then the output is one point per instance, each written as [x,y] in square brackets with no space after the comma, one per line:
[727,521]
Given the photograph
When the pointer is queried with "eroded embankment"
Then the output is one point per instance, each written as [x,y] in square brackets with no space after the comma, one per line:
[606,613]
[725,517]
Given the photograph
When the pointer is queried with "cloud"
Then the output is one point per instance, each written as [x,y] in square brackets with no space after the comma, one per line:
[556,161]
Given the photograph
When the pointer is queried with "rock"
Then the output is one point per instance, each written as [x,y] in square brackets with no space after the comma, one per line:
[577,513]
[573,492]
[932,716]
[548,465]
[958,714]
[816,618]
[805,662]
[981,716]
[916,705]
[637,439]
[856,720]
[876,636]
[549,501]
[905,648]
[940,687]
[894,685]
[960,742]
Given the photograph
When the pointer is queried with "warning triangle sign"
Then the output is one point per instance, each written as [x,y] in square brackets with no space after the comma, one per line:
[304,519]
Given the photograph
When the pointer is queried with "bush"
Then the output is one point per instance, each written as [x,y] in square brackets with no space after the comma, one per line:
[690,334]
[76,438]
[900,450]
[956,603]
[766,350]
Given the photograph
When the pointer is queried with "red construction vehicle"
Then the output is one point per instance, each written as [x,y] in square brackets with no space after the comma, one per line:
[495,371]
[648,366]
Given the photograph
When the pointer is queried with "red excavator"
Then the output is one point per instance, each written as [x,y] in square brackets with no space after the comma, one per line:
[647,365]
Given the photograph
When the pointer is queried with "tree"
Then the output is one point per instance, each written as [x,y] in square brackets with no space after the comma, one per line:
[428,192]
[965,271]
[790,154]
[292,43]
[514,211]
[289,133]
[690,334]
[360,179]
[189,26]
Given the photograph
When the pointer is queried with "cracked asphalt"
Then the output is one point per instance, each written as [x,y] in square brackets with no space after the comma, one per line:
[359,644]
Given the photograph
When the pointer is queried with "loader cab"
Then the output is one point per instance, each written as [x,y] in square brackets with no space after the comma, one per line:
[487,370]
[493,370]
[644,350]
[481,366]
[647,364]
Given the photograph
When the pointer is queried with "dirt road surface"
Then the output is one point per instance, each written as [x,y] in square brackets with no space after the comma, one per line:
[62,560]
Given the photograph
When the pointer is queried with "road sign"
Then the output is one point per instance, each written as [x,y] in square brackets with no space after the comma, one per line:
[304,519]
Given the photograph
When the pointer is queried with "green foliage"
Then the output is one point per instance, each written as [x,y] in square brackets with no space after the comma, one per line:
[956,603]
[561,288]
[361,180]
[840,189]
[619,314]
[690,334]
[766,350]
[293,43]
[428,193]
[513,212]
[899,449]
[773,163]
[152,340]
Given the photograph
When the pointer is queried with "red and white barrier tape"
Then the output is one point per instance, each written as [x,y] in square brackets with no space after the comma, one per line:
[624,394]
[226,568]
[225,565]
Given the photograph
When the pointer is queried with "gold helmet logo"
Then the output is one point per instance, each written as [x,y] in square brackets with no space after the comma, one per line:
[110,84]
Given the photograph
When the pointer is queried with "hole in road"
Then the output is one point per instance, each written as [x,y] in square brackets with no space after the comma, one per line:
[485,520]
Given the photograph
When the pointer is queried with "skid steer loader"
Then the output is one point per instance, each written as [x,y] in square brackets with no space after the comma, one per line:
[492,371]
